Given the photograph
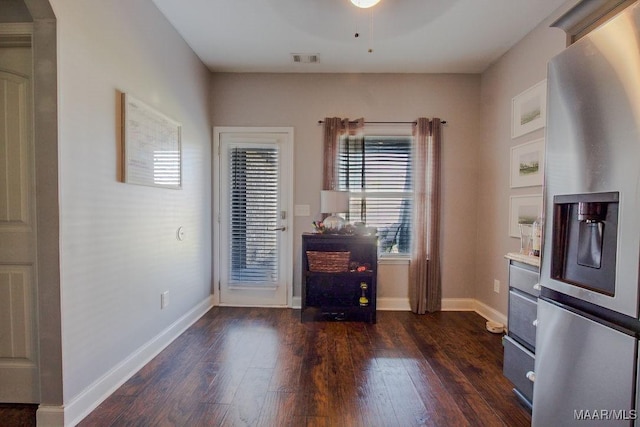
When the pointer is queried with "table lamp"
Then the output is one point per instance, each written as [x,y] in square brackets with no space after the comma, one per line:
[334,202]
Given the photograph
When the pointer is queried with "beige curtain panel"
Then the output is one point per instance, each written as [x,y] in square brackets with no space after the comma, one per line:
[334,128]
[425,289]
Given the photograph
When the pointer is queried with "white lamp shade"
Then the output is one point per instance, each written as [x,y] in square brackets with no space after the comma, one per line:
[365,3]
[334,201]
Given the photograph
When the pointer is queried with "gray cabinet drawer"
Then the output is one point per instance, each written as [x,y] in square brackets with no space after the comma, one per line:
[517,362]
[524,278]
[522,313]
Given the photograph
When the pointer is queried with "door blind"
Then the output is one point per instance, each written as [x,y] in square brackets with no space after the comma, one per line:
[253,216]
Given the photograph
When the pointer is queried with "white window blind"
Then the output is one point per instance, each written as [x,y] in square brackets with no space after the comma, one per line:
[377,172]
[253,215]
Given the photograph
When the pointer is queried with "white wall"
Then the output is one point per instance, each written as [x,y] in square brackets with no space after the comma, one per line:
[300,100]
[118,244]
[520,68]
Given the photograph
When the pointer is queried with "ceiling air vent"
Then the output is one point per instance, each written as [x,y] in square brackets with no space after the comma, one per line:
[305,58]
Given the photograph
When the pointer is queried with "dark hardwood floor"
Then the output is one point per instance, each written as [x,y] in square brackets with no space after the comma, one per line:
[18,415]
[263,367]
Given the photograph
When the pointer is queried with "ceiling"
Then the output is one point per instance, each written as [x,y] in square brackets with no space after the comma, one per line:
[405,36]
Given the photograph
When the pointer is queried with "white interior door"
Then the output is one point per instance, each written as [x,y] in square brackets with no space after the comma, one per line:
[253,251]
[19,381]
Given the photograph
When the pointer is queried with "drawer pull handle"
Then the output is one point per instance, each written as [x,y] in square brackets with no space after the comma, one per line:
[537,287]
[535,323]
[531,376]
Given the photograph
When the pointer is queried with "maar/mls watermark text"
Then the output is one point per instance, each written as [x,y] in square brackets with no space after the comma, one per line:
[605,414]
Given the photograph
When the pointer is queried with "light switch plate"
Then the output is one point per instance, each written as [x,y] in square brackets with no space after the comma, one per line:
[302,210]
[164,299]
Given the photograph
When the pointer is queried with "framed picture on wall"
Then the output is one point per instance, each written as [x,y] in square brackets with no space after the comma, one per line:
[151,145]
[529,109]
[523,210]
[527,164]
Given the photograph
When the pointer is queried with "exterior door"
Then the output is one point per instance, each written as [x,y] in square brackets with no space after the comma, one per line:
[18,321]
[253,198]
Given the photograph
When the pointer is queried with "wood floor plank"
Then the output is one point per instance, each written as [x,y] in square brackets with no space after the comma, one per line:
[259,366]
[246,405]
[427,383]
[406,402]
[374,402]
[373,405]
[288,366]
[441,406]
[316,422]
[361,347]
[287,372]
[108,413]
[340,374]
[283,409]
[232,360]
[188,395]
[207,415]
[314,373]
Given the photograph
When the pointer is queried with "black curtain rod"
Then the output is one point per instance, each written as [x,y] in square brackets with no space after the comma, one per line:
[444,122]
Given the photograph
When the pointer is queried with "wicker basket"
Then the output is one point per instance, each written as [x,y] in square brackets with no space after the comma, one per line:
[328,262]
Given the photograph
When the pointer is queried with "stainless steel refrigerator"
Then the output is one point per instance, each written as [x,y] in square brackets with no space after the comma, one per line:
[587,328]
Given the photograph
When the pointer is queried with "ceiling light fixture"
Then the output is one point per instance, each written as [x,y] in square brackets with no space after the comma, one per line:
[364,4]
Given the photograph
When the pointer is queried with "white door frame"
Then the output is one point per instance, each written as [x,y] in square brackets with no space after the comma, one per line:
[287,249]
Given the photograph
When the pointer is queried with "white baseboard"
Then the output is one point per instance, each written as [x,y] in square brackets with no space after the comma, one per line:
[458,304]
[471,304]
[50,416]
[393,304]
[489,313]
[296,302]
[86,401]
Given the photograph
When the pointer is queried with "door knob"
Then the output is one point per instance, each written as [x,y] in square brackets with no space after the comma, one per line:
[535,323]
[537,287]
[277,229]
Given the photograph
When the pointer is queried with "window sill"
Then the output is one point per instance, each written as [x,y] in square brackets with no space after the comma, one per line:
[394,260]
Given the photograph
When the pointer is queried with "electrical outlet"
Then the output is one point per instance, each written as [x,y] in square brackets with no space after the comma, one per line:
[496,286]
[164,299]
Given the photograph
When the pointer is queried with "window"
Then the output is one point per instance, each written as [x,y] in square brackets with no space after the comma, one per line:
[377,172]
